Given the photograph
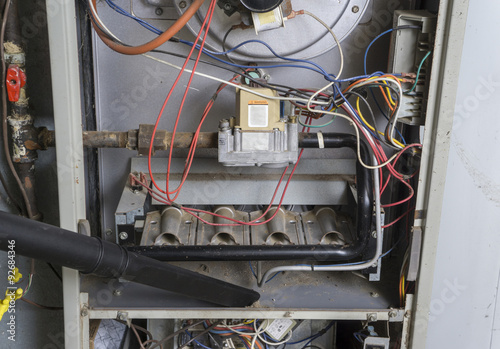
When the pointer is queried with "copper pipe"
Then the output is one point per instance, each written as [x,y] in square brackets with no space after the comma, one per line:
[155,43]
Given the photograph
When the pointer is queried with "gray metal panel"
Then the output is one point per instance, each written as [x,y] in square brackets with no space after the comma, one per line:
[463,306]
[315,182]
[130,89]
[70,169]
[303,290]
[442,97]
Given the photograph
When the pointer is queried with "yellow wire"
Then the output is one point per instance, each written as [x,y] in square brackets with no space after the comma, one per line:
[389,93]
[371,127]
[403,287]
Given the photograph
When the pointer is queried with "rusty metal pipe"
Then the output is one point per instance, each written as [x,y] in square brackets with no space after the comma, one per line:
[137,139]
[133,139]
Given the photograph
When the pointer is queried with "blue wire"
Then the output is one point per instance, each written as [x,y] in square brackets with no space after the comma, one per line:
[212,54]
[315,336]
[245,344]
[129,15]
[382,34]
[322,72]
[267,46]
[204,346]
[254,274]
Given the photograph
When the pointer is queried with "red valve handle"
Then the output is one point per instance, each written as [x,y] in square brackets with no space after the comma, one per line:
[16,78]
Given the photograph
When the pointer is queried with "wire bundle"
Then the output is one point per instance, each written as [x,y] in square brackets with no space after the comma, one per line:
[335,100]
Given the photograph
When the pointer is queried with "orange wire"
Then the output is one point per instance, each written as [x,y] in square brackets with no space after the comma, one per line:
[386,99]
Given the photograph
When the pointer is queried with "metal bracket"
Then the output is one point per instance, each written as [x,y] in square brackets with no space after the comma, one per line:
[15,58]
[416,245]
[84,227]
[396,315]
[122,315]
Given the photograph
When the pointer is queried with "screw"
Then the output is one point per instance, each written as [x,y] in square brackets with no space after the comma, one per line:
[227,6]
[122,316]
[374,234]
[182,4]
[267,77]
[159,11]
[355,9]
[84,312]
[393,314]
[117,292]
[374,294]
[372,317]
[109,232]
[123,235]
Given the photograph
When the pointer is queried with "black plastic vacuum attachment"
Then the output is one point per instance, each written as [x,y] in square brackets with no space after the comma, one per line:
[91,255]
[290,252]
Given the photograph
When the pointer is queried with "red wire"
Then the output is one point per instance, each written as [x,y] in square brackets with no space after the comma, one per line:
[207,18]
[210,15]
[398,219]
[192,148]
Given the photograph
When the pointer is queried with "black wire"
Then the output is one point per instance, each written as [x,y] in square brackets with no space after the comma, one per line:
[372,115]
[172,335]
[55,271]
[224,45]
[394,113]
[201,334]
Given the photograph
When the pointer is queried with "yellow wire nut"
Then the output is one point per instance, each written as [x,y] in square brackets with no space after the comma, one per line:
[17,275]
[17,294]
[4,306]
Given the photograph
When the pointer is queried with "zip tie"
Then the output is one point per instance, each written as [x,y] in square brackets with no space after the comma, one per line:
[321,141]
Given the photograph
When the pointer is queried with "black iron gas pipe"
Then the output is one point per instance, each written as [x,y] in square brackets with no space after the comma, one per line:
[91,255]
[290,252]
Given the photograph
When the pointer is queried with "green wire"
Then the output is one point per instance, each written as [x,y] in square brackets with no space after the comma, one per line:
[317,126]
[418,72]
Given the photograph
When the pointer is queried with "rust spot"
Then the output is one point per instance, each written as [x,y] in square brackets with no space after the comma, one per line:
[419,214]
[31,145]
[27,182]
[77,181]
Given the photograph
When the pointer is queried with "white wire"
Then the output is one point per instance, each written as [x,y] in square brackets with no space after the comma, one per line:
[303,100]
[100,22]
[208,76]
[290,334]
[258,331]
[334,37]
[396,116]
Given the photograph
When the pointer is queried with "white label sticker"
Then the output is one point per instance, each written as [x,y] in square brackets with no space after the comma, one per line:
[258,115]
[279,328]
